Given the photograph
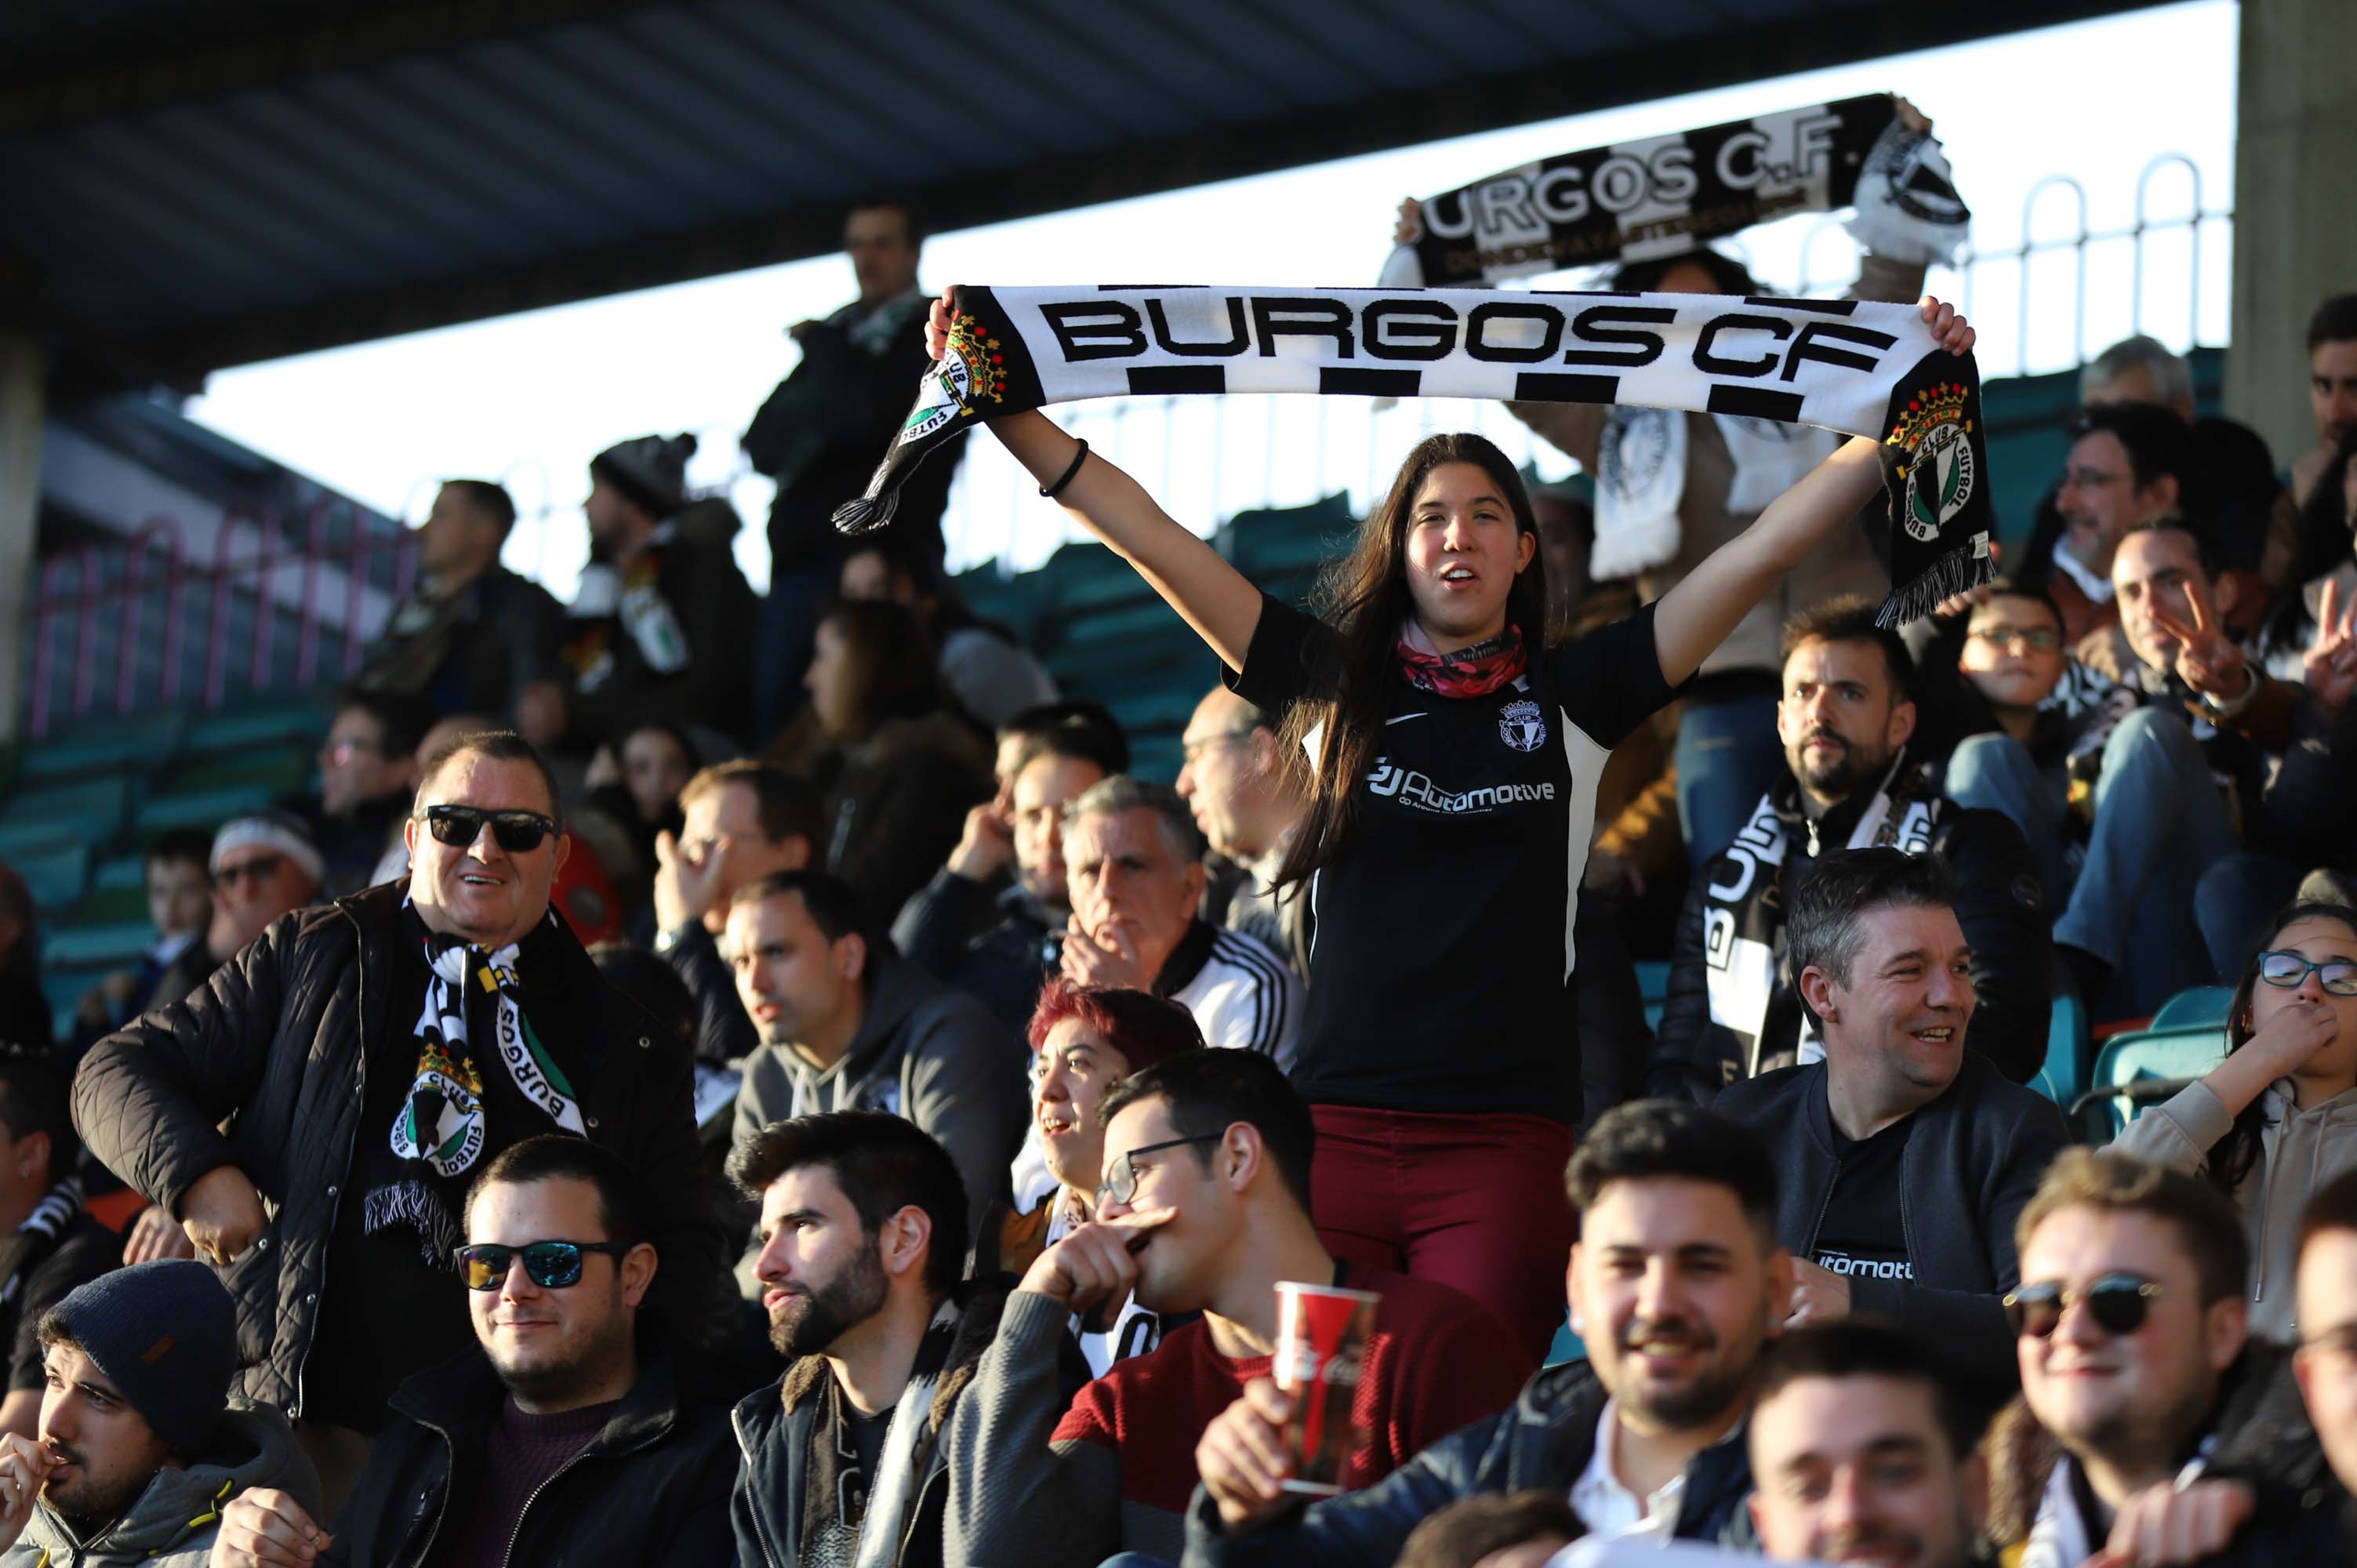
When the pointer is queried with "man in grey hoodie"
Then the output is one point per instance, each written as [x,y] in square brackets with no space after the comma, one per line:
[141,1443]
[848,1024]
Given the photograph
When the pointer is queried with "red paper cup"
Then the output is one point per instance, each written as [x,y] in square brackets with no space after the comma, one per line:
[1322,1344]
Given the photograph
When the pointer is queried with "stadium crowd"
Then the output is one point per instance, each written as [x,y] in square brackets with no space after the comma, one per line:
[720,1077]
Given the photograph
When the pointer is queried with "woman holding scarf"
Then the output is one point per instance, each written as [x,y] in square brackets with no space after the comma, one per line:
[1451,757]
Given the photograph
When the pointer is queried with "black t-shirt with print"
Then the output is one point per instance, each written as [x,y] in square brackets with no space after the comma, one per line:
[1862,1233]
[1440,971]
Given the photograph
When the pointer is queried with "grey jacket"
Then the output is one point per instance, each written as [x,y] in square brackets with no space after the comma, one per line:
[172,1524]
[934,1055]
[2299,1152]
[1017,1497]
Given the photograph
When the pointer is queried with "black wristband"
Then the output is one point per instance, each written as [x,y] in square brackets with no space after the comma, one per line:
[1052,491]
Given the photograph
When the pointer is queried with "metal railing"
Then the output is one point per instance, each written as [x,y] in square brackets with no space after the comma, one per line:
[269,610]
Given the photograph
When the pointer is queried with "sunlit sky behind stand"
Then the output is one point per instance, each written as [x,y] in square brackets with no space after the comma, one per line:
[532,398]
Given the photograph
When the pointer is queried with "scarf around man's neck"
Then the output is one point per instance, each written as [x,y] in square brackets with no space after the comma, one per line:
[1743,903]
[1859,366]
[443,1125]
[855,1520]
[37,1237]
[1474,670]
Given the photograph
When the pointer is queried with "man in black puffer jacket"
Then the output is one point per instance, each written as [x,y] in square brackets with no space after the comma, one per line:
[366,1058]
[1846,717]
[1646,1436]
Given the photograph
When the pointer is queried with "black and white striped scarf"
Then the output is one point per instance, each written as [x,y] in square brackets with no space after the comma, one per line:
[1665,196]
[37,1237]
[1859,366]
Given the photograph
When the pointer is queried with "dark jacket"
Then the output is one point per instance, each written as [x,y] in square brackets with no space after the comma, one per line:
[925,1053]
[474,651]
[651,1488]
[1973,1160]
[1543,1442]
[724,1030]
[1004,967]
[274,1045]
[897,802]
[821,434]
[2258,1432]
[616,688]
[773,1435]
[1999,902]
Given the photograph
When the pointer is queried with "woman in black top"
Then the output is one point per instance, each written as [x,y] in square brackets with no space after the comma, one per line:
[1451,759]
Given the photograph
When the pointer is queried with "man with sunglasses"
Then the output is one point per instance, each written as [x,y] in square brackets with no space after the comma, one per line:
[2131,1329]
[262,864]
[367,1059]
[566,1432]
[1204,1209]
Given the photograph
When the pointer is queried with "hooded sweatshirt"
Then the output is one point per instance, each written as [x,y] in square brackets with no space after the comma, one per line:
[2299,1150]
[172,1524]
[931,1055]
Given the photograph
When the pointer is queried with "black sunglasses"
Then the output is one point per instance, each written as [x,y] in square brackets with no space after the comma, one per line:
[2118,1302]
[517,833]
[551,1265]
[259,870]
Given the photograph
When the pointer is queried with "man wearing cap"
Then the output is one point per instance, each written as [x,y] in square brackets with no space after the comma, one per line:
[662,624]
[262,864]
[141,1441]
[367,1059]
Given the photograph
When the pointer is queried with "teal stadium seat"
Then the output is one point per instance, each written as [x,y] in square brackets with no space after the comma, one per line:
[2064,1077]
[2147,1054]
[54,875]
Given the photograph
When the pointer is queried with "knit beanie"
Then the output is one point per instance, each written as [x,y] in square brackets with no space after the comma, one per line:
[166,1335]
[651,470]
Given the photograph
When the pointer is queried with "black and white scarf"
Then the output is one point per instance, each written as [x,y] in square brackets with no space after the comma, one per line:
[1664,196]
[851,1520]
[1743,902]
[37,1237]
[1858,366]
[443,1121]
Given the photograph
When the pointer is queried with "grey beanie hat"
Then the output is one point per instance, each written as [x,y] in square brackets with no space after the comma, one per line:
[166,1335]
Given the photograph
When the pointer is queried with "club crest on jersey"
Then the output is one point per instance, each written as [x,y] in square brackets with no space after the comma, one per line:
[1522,726]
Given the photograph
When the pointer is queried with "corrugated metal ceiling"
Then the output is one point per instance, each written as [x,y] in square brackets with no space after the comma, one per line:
[195,185]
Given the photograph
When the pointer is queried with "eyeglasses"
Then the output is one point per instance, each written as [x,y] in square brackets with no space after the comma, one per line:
[551,1265]
[2290,971]
[261,869]
[517,833]
[2118,1302]
[338,752]
[2035,640]
[1120,1185]
[1191,750]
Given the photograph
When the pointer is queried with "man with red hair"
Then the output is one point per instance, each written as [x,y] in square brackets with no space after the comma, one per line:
[1085,1039]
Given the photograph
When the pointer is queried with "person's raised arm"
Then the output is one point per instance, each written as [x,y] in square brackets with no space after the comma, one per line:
[1213,596]
[1696,615]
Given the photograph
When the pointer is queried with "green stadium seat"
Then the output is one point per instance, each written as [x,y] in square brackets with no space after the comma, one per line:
[2064,1077]
[200,808]
[117,943]
[54,876]
[65,988]
[1653,981]
[2149,1054]
[1567,1347]
[298,721]
[90,809]
[2203,1006]
[1285,538]
[282,770]
[121,871]
[106,906]
[107,746]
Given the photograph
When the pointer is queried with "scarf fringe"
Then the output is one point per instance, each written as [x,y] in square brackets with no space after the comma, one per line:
[1960,571]
[865,514]
[415,1205]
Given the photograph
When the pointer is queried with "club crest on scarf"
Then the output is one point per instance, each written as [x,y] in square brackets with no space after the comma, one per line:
[442,1120]
[1522,726]
[1938,468]
[971,369]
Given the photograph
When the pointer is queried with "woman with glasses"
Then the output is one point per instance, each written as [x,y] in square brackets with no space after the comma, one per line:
[2277,1119]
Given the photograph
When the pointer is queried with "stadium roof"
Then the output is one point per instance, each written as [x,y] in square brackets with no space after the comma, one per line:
[194,184]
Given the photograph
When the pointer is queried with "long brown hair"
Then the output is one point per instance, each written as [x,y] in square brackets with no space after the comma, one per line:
[1364,597]
[888,664]
[2237,1153]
